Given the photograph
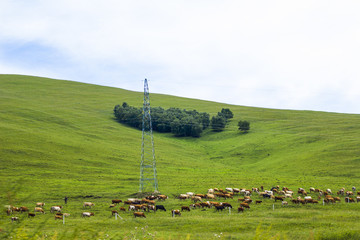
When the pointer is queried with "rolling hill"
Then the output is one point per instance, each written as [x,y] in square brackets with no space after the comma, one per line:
[59,138]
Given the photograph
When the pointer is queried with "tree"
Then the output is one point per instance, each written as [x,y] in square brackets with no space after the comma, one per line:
[244,126]
[218,123]
[227,113]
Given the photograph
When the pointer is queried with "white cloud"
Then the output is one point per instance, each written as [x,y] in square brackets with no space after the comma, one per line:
[278,54]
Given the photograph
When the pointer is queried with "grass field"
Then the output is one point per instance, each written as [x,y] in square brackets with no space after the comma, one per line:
[59,138]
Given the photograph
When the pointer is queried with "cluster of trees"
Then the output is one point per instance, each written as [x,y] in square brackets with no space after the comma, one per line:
[179,122]
[219,121]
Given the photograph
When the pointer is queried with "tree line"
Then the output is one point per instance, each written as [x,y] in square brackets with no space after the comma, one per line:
[179,122]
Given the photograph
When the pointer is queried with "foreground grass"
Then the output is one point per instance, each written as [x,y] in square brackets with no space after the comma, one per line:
[59,138]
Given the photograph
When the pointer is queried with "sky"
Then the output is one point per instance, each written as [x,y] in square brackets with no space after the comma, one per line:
[301,55]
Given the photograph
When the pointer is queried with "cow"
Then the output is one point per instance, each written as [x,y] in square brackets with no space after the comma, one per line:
[23,209]
[349,200]
[112,205]
[240,209]
[87,214]
[210,196]
[283,203]
[14,219]
[40,204]
[162,197]
[185,208]
[175,213]
[55,208]
[39,209]
[358,199]
[122,209]
[58,217]
[113,212]
[258,201]
[139,214]
[245,205]
[281,198]
[183,196]
[88,204]
[31,215]
[116,201]
[219,207]
[160,207]
[226,205]
[151,207]
[196,199]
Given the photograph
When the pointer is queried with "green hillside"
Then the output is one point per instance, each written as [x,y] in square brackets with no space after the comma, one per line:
[60,138]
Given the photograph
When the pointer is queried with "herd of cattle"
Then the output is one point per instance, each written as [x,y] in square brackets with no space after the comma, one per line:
[212,199]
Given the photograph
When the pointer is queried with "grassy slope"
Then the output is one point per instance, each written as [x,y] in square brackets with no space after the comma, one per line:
[59,138]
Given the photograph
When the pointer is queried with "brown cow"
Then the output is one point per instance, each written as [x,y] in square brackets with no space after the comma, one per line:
[113,212]
[162,197]
[139,214]
[39,209]
[116,201]
[31,214]
[40,204]
[14,219]
[245,205]
[58,217]
[122,209]
[176,213]
[185,208]
[258,201]
[23,209]
[240,209]
[281,198]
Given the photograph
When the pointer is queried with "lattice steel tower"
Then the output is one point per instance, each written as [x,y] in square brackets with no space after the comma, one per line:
[148,175]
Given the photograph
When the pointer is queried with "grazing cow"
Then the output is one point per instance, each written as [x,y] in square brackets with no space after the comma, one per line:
[14,219]
[113,212]
[281,198]
[211,191]
[229,189]
[162,197]
[40,204]
[160,207]
[358,199]
[240,209]
[337,199]
[266,195]
[236,190]
[185,208]
[151,207]
[39,209]
[23,209]
[283,203]
[205,204]
[58,217]
[116,201]
[210,196]
[183,196]
[55,208]
[122,209]
[245,205]
[219,207]
[348,193]
[190,194]
[31,215]
[258,201]
[349,200]
[88,204]
[312,189]
[328,191]
[175,213]
[59,214]
[8,211]
[225,204]
[87,214]
[112,205]
[139,214]
[196,199]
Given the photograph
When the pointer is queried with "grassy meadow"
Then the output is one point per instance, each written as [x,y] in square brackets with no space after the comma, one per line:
[59,138]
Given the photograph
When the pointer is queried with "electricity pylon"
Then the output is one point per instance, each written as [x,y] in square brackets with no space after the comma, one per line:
[148,175]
